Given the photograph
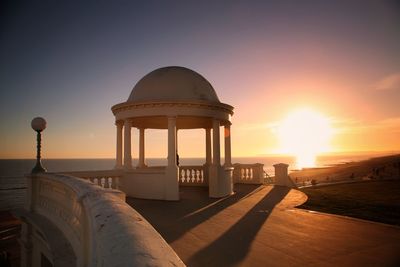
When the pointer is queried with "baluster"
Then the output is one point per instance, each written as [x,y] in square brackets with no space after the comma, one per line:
[96,181]
[103,181]
[197,176]
[188,176]
[193,175]
[183,175]
[251,173]
[202,176]
[110,182]
[242,175]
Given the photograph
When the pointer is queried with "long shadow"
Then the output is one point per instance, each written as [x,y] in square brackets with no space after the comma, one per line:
[173,219]
[233,246]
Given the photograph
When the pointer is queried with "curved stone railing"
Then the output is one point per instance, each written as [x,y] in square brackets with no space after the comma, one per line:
[192,175]
[102,229]
[248,173]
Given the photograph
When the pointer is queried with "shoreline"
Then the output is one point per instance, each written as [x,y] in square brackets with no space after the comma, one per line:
[383,167]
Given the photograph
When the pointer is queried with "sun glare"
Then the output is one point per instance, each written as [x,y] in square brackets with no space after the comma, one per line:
[305,133]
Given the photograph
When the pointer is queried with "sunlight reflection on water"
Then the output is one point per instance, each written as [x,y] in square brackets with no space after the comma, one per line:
[306,161]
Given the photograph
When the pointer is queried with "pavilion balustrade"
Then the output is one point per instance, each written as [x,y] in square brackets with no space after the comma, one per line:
[196,175]
[192,176]
[108,179]
[248,173]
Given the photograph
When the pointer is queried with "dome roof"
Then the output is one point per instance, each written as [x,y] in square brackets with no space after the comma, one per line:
[173,84]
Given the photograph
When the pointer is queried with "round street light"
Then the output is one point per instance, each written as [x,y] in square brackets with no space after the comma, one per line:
[38,124]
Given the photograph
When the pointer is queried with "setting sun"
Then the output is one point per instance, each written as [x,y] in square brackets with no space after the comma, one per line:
[305,133]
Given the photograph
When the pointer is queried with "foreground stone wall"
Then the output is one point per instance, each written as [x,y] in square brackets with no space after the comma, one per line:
[100,227]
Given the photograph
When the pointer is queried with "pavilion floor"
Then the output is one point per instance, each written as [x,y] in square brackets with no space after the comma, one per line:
[259,226]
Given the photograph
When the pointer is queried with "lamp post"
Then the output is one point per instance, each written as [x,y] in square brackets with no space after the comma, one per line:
[38,124]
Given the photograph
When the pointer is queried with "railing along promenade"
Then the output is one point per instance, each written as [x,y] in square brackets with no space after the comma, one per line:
[242,173]
[248,173]
[98,228]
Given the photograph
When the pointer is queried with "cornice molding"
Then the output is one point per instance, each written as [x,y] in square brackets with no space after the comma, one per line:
[148,105]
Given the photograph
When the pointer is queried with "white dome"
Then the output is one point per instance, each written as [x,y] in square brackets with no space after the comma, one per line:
[173,84]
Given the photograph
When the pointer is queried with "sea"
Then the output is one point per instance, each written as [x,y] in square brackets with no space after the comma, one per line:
[20,167]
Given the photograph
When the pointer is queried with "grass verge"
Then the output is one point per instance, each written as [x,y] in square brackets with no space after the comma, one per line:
[377,201]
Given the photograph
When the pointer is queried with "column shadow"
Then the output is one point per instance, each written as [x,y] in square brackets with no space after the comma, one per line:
[173,219]
[233,246]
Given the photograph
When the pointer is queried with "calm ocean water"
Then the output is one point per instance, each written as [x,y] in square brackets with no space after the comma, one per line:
[19,167]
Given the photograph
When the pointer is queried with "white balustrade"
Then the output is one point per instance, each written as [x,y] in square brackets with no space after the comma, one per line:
[108,179]
[105,182]
[248,173]
[191,175]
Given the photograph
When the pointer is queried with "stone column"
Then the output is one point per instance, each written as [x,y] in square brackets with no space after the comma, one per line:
[171,175]
[141,149]
[208,146]
[228,158]
[171,141]
[216,144]
[216,181]
[176,145]
[127,145]
[118,156]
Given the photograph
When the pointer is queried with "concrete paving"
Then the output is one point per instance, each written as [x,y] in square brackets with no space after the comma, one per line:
[259,226]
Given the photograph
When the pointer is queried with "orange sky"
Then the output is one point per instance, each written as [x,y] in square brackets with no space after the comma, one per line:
[267,60]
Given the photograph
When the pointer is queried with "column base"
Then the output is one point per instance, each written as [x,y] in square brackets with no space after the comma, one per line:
[220,181]
[141,166]
[171,185]
[118,167]
[125,167]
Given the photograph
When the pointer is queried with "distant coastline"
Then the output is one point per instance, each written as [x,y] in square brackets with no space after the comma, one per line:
[375,168]
[19,167]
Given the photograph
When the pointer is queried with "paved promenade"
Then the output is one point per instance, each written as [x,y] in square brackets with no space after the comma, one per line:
[259,226]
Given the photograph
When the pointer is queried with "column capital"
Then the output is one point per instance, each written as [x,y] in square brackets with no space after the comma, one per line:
[119,123]
[128,122]
[216,122]
[171,117]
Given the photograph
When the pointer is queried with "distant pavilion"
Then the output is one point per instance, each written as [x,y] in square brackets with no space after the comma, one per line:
[173,98]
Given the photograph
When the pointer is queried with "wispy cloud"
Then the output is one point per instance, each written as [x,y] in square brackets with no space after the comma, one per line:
[389,125]
[390,82]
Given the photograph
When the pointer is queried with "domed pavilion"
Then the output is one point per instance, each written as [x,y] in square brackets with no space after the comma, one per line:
[173,98]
